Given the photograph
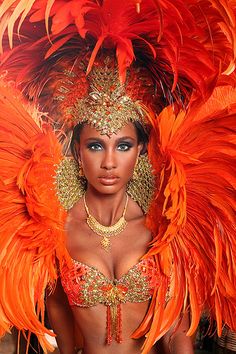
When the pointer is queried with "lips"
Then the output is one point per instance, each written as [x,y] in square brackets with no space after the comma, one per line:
[108,180]
[108,176]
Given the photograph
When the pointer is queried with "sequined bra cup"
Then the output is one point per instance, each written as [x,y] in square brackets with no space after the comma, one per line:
[86,286]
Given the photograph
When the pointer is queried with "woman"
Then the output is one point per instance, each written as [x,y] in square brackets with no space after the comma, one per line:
[159,225]
[108,164]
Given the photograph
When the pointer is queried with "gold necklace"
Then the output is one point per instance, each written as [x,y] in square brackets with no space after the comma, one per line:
[106,232]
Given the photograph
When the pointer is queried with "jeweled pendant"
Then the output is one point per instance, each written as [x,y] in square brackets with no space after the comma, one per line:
[105,243]
[106,232]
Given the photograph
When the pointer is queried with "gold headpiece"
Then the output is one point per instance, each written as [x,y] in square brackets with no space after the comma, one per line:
[100,99]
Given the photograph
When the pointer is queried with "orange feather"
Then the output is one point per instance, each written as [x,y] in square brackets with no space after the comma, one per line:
[194,237]
[31,233]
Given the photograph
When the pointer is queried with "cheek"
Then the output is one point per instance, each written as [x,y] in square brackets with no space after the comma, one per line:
[89,164]
[128,165]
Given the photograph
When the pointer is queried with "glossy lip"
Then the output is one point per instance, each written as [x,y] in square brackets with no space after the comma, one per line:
[108,176]
[108,179]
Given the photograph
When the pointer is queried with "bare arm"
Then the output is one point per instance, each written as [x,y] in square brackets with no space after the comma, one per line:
[176,341]
[61,320]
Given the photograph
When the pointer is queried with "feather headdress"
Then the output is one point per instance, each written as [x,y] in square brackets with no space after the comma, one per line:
[186,45]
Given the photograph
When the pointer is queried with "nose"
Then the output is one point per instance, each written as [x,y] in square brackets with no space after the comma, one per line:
[109,160]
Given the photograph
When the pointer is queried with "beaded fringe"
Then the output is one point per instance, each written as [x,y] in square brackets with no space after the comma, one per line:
[114,323]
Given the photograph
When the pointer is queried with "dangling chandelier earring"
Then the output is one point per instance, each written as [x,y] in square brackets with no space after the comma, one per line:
[106,232]
[142,185]
[70,182]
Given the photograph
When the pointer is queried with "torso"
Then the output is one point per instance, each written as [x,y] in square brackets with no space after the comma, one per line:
[126,251]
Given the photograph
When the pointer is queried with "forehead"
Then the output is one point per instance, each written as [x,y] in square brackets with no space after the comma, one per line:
[128,130]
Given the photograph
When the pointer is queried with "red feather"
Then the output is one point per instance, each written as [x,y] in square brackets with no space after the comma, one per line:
[186,45]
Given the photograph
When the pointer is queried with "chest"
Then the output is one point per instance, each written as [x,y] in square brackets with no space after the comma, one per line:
[125,249]
[87,286]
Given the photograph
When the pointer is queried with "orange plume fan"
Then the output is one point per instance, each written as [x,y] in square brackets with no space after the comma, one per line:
[186,45]
[31,231]
[194,238]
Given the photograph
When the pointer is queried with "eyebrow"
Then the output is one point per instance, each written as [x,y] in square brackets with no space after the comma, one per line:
[117,140]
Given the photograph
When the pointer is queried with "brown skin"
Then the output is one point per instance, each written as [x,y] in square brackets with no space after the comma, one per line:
[108,164]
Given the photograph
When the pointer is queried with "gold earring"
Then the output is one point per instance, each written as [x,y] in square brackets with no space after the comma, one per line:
[142,185]
[70,182]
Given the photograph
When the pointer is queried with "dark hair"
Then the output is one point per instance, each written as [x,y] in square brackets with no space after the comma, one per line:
[75,139]
[142,136]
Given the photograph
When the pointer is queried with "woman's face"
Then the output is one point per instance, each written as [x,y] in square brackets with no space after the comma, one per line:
[108,162]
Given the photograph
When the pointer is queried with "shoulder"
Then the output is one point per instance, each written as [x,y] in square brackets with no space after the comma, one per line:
[134,212]
[137,219]
[75,224]
[76,215]
[77,211]
[137,233]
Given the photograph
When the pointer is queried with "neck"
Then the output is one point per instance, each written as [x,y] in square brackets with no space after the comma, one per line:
[106,208]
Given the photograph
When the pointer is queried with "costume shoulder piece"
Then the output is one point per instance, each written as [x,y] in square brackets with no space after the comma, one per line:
[31,220]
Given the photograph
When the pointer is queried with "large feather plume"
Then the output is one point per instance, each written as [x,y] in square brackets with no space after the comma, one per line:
[194,240]
[186,45]
[32,223]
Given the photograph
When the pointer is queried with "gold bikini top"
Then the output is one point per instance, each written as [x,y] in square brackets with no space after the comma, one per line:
[86,286]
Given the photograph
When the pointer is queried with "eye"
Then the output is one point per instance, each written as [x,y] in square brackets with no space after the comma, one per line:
[95,146]
[124,146]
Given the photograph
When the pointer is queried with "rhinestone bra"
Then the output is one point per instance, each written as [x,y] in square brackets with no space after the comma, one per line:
[86,286]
